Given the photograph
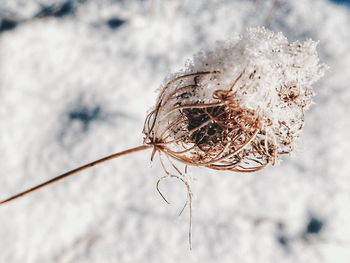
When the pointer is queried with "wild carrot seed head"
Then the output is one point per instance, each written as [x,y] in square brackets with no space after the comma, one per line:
[239,106]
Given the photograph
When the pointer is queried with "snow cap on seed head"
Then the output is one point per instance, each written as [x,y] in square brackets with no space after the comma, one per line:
[278,76]
[261,84]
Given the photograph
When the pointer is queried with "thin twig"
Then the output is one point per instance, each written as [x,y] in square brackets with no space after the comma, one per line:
[75,171]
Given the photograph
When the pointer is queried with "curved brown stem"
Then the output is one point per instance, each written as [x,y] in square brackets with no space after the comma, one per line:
[75,171]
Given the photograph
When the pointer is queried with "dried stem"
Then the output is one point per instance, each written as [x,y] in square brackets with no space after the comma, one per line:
[75,171]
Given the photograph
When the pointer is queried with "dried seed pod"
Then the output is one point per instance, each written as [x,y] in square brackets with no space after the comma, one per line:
[238,107]
[235,108]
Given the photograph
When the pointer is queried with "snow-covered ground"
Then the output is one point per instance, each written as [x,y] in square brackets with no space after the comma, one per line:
[77,79]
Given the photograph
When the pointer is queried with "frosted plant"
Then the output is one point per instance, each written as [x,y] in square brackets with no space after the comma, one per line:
[238,107]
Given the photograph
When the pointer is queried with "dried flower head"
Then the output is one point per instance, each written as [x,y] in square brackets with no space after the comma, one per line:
[238,107]
[235,108]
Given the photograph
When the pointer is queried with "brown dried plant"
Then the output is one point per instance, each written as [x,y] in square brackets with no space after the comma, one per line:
[219,135]
[229,116]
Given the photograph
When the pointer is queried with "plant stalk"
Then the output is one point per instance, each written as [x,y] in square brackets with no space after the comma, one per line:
[75,171]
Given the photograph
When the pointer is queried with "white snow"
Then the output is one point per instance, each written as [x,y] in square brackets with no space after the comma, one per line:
[54,72]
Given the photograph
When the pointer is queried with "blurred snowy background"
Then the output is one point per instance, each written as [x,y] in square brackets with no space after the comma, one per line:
[76,81]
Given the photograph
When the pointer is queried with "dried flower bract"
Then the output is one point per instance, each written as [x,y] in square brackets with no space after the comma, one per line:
[238,107]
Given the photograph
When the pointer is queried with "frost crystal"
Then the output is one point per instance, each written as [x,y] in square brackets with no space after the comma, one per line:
[239,106]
